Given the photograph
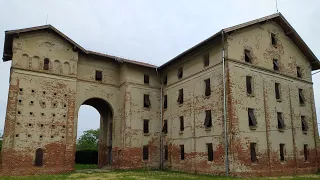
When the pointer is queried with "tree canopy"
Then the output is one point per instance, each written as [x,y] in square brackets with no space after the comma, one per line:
[89,140]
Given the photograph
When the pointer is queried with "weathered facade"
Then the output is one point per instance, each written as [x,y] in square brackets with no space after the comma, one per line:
[252,80]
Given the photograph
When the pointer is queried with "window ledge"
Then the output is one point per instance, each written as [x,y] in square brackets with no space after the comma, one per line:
[180,132]
[305,132]
[281,130]
[304,104]
[279,100]
[283,162]
[208,129]
[146,108]
[250,95]
[180,105]
[253,127]
[146,134]
[206,97]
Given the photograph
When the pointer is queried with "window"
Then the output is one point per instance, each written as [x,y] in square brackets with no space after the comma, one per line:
[181,123]
[39,157]
[46,64]
[180,73]
[165,80]
[165,127]
[281,124]
[275,65]
[210,152]
[305,152]
[249,85]
[281,152]
[247,56]
[277,91]
[98,75]
[299,73]
[208,87]
[253,152]
[180,98]
[301,97]
[146,126]
[146,101]
[273,39]
[304,124]
[182,152]
[146,79]
[165,102]
[208,119]
[145,153]
[206,60]
[252,118]
[166,152]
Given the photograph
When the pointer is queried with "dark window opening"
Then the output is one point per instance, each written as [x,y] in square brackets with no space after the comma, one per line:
[146,79]
[165,102]
[166,152]
[252,118]
[165,126]
[145,153]
[180,98]
[273,39]
[253,152]
[182,152]
[299,73]
[181,123]
[305,152]
[247,56]
[39,158]
[249,84]
[275,65]
[17,135]
[208,87]
[301,97]
[146,126]
[208,119]
[281,124]
[98,75]
[210,152]
[282,152]
[180,73]
[20,89]
[46,64]
[146,101]
[304,124]
[206,60]
[277,91]
[165,80]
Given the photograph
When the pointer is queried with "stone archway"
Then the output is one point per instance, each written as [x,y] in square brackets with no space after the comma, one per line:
[106,122]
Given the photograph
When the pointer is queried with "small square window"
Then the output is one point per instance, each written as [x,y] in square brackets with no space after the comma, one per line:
[98,75]
[42,114]
[51,136]
[29,135]
[41,125]
[31,113]
[30,124]
[20,100]
[53,114]
[40,136]
[17,135]
[20,89]
[146,79]
[43,92]
[32,91]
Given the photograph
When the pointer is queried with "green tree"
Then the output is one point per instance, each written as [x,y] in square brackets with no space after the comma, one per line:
[89,140]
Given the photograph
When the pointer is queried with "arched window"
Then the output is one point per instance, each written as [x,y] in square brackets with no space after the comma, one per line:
[46,64]
[39,157]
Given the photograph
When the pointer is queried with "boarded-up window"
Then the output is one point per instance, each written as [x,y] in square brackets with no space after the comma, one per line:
[180,72]
[275,65]
[146,101]
[180,97]
[252,118]
[146,79]
[281,124]
[249,84]
[273,39]
[277,91]
[206,60]
[165,102]
[253,152]
[39,157]
[306,152]
[181,123]
[208,87]
[165,80]
[301,96]
[145,126]
[208,119]
[166,152]
[247,56]
[282,152]
[46,64]
[210,152]
[182,152]
[299,73]
[304,124]
[145,153]
[98,75]
[165,126]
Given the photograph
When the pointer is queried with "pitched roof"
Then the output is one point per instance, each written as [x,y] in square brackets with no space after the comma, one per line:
[288,29]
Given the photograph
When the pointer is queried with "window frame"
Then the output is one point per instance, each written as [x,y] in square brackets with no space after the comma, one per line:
[210,152]
[180,73]
[146,79]
[276,65]
[253,153]
[146,101]
[182,152]
[247,56]
[181,119]
[207,91]
[249,85]
[208,119]
[146,126]
[180,96]
[277,91]
[252,118]
[145,152]
[98,75]
[281,125]
[206,60]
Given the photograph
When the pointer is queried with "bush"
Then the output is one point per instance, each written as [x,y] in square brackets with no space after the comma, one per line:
[87,156]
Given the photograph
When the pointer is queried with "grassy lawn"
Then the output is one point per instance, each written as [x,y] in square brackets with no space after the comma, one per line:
[140,175]
[85,166]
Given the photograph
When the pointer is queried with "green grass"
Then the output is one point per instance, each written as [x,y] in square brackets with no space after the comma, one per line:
[142,174]
[85,166]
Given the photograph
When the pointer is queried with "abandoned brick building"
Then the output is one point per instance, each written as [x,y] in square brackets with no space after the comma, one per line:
[247,90]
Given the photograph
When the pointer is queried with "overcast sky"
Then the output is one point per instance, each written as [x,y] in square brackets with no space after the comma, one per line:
[146,30]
